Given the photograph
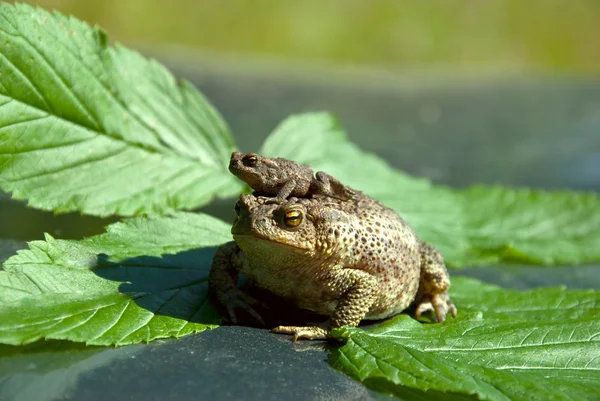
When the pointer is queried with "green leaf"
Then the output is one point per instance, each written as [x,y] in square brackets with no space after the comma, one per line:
[145,278]
[476,226]
[98,129]
[505,345]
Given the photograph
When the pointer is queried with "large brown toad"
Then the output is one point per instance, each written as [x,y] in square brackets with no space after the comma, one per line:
[350,260]
[283,178]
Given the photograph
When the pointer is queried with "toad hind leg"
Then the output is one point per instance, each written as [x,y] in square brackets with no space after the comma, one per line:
[360,291]
[434,284]
[324,184]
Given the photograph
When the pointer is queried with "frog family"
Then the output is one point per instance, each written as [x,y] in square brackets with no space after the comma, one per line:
[344,256]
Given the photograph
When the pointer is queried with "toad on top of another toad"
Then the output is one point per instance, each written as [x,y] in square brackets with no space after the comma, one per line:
[283,178]
[347,259]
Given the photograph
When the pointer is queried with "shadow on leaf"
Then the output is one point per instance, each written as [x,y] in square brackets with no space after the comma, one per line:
[170,285]
[176,286]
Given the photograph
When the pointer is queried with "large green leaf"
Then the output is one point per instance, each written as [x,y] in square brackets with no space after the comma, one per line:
[145,278]
[98,129]
[479,225]
[541,344]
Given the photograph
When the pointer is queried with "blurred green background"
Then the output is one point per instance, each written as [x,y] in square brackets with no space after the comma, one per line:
[468,35]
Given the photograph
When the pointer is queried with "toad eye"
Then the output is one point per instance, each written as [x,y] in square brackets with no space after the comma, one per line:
[293,218]
[251,160]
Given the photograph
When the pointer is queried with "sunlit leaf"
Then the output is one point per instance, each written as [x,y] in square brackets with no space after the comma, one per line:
[145,278]
[505,345]
[98,129]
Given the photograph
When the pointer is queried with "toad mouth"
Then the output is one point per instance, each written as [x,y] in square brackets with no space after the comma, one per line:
[269,240]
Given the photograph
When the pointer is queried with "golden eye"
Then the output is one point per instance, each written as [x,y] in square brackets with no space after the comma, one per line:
[251,160]
[293,218]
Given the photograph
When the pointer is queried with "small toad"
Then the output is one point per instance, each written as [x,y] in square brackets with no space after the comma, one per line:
[347,259]
[283,178]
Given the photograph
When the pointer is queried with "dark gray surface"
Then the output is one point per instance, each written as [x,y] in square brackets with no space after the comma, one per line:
[226,363]
[542,133]
[9,247]
[528,132]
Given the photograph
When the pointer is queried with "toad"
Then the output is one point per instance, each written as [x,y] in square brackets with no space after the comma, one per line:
[347,259]
[283,178]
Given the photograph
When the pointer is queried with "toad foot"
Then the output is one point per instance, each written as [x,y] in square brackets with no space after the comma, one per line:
[300,332]
[238,300]
[440,304]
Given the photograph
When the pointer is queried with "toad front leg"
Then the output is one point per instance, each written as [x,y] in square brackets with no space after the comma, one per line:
[284,192]
[359,291]
[222,283]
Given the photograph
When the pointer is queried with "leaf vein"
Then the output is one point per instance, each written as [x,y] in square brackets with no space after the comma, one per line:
[77,324]
[77,101]
[22,122]
[19,72]
[69,167]
[114,323]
